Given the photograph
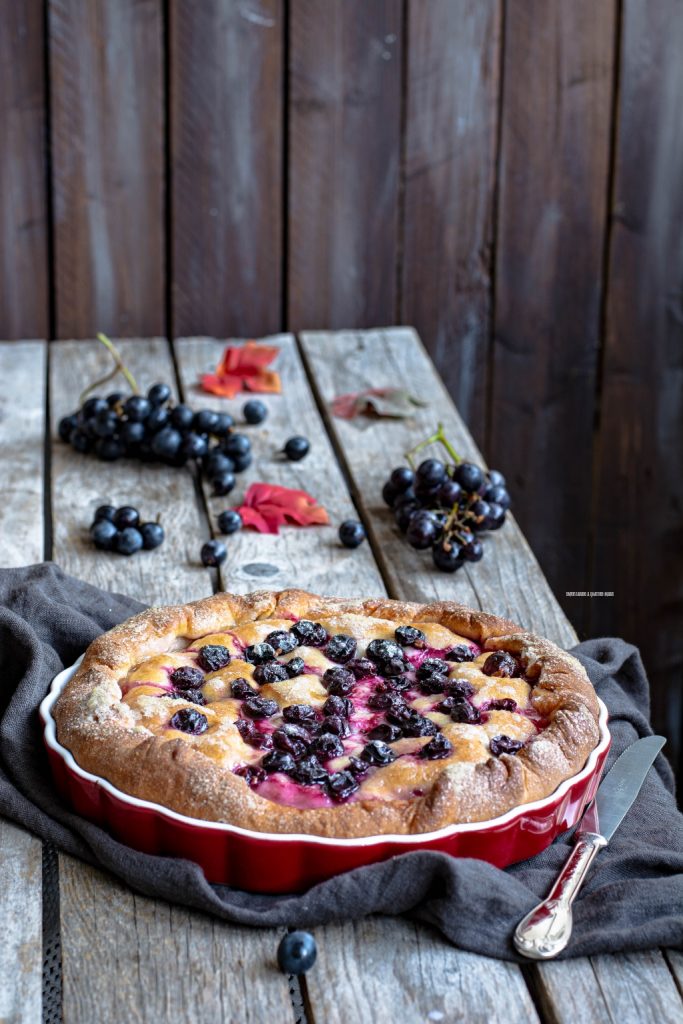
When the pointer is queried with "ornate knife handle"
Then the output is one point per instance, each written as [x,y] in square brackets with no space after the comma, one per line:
[546,930]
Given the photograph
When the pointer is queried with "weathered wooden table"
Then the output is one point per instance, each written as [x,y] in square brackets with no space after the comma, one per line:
[79,939]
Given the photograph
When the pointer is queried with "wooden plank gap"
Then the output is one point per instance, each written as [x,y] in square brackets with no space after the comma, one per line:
[167,128]
[495,210]
[47,463]
[401,186]
[284,187]
[596,452]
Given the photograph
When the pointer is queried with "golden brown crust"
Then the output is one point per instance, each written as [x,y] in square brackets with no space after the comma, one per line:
[92,723]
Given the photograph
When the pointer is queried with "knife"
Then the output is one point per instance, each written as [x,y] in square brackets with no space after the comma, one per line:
[545,932]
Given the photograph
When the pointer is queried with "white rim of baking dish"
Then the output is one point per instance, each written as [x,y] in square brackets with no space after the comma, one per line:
[411,839]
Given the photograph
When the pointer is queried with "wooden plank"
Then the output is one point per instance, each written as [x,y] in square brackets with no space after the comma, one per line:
[161,962]
[344,157]
[226,70]
[639,476]
[97,913]
[631,988]
[312,558]
[315,560]
[24,311]
[107,166]
[21,949]
[508,581]
[22,429]
[387,970]
[449,177]
[555,140]
[22,433]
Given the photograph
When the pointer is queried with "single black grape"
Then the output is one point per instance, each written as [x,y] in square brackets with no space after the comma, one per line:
[254,411]
[236,445]
[401,479]
[214,552]
[229,521]
[153,535]
[159,394]
[351,533]
[431,472]
[103,532]
[223,483]
[125,516]
[447,556]
[166,443]
[469,476]
[204,421]
[422,530]
[137,408]
[296,448]
[128,541]
[182,417]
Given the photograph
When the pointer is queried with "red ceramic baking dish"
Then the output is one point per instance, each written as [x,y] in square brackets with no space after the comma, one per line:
[265,862]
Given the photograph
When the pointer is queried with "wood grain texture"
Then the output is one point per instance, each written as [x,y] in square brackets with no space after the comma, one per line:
[452,92]
[21,949]
[508,581]
[107,166]
[80,483]
[639,472]
[22,433]
[147,961]
[314,559]
[24,310]
[344,156]
[389,969]
[629,988]
[555,140]
[99,914]
[311,558]
[226,68]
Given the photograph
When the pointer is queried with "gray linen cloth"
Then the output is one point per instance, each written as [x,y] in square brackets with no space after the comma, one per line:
[632,898]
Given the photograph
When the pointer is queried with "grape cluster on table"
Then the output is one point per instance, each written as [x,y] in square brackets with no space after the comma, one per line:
[447,507]
[121,530]
[152,429]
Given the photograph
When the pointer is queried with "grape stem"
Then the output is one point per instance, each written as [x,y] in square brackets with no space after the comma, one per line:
[438,437]
[119,367]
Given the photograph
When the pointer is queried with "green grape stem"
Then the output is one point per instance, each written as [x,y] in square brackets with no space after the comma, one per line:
[119,367]
[438,437]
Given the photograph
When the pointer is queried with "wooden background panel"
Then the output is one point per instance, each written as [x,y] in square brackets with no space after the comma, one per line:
[106,102]
[639,479]
[24,303]
[226,109]
[344,157]
[452,93]
[557,96]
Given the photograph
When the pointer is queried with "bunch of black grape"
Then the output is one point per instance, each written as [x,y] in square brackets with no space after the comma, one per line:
[153,429]
[446,507]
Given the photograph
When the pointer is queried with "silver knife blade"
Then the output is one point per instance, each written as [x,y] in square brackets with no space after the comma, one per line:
[622,784]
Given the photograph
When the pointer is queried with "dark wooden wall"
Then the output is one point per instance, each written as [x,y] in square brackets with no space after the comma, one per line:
[503,174]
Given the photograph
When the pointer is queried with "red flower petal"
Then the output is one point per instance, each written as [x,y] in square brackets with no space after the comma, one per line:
[242,368]
[266,507]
